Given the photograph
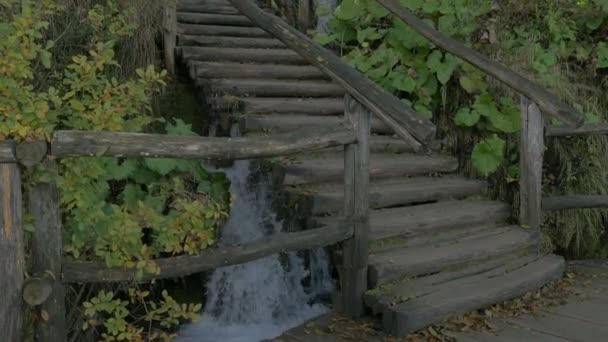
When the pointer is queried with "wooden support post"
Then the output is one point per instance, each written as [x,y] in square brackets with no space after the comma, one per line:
[12,255]
[356,210]
[170,35]
[304,7]
[531,165]
[47,255]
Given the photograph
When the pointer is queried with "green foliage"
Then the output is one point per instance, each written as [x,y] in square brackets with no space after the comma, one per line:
[123,212]
[403,62]
[488,154]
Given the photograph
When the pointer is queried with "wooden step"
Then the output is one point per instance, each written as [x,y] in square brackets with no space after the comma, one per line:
[231,42]
[263,71]
[242,55]
[280,105]
[410,262]
[282,123]
[330,167]
[221,30]
[216,8]
[472,293]
[271,87]
[329,198]
[213,19]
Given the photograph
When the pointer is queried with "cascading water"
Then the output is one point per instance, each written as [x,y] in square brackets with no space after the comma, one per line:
[261,299]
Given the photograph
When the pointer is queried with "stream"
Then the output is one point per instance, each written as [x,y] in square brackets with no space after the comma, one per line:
[261,299]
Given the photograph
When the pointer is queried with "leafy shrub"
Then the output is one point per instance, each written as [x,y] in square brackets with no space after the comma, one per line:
[124,212]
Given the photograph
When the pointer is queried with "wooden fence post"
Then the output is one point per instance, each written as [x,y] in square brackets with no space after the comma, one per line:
[12,255]
[47,254]
[304,7]
[531,166]
[170,34]
[356,209]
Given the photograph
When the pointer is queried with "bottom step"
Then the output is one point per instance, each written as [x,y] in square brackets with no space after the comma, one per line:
[470,293]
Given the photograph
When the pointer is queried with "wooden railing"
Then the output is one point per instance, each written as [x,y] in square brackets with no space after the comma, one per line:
[50,273]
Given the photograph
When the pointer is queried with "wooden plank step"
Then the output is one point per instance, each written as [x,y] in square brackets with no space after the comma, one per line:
[330,167]
[329,198]
[477,292]
[242,55]
[280,105]
[226,41]
[213,19]
[271,87]
[425,224]
[216,8]
[410,262]
[281,123]
[399,291]
[221,30]
[240,70]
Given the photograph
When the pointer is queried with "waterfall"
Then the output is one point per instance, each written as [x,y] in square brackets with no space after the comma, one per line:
[261,299]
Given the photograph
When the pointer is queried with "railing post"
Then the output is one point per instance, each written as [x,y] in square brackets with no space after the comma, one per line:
[356,209]
[47,256]
[304,7]
[531,166]
[170,34]
[12,255]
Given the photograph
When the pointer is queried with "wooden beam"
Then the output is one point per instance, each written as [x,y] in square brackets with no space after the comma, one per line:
[547,102]
[304,15]
[47,255]
[115,144]
[30,153]
[212,258]
[7,152]
[12,253]
[587,129]
[356,210]
[531,165]
[169,35]
[575,202]
[407,124]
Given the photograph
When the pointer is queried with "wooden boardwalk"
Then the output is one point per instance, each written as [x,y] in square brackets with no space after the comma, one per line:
[583,317]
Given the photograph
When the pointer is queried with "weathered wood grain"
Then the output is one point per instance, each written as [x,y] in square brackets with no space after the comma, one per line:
[12,254]
[214,8]
[356,210]
[213,19]
[223,30]
[241,55]
[169,35]
[7,152]
[532,148]
[304,15]
[212,258]
[264,71]
[550,104]
[584,130]
[230,42]
[253,105]
[30,153]
[47,254]
[409,125]
[575,202]
[271,87]
[118,144]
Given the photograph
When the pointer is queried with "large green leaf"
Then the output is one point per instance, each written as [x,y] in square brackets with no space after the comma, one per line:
[488,155]
[466,117]
[162,166]
[348,10]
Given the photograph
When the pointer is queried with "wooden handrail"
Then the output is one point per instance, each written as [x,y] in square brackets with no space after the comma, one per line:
[587,129]
[120,144]
[548,103]
[407,124]
[575,202]
[211,258]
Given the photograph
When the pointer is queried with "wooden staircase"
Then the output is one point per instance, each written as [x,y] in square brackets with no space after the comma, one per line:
[439,246]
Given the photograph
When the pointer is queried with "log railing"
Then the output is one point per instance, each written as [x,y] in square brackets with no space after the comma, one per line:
[45,288]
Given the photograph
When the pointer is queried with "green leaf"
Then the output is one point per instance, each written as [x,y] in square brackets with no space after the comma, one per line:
[602,55]
[404,83]
[466,117]
[488,155]
[77,105]
[324,38]
[131,195]
[162,166]
[323,10]
[120,171]
[45,58]
[347,10]
[180,128]
[507,120]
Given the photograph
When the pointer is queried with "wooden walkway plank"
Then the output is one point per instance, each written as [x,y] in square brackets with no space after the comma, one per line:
[563,327]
